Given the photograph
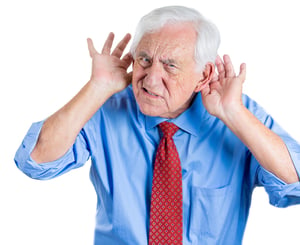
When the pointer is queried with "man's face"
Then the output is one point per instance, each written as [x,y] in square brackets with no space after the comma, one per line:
[164,71]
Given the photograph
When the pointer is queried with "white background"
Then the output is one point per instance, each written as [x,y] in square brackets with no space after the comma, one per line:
[44,61]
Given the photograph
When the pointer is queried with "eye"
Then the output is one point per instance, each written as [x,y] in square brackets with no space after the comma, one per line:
[144,61]
[170,66]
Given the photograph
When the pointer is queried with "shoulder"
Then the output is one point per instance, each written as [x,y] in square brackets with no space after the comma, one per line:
[121,100]
[256,109]
[119,107]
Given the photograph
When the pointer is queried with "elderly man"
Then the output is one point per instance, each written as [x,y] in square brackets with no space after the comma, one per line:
[176,148]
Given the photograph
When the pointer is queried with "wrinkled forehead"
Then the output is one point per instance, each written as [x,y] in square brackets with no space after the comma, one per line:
[175,41]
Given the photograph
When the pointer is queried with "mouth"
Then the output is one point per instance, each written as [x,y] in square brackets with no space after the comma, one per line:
[150,93]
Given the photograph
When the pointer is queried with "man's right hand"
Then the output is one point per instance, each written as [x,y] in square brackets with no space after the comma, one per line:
[109,76]
[109,69]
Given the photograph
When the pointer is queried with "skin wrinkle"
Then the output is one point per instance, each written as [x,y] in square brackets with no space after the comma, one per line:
[159,49]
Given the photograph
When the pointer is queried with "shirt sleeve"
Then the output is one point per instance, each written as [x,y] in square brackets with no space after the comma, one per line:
[75,157]
[280,193]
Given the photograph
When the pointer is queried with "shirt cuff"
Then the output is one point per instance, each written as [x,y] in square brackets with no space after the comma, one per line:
[46,170]
[280,193]
[294,151]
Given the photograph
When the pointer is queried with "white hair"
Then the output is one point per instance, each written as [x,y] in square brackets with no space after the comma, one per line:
[208,36]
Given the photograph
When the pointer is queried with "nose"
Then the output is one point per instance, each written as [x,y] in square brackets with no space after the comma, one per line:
[154,75]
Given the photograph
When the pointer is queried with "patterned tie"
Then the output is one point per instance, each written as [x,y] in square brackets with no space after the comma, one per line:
[166,198]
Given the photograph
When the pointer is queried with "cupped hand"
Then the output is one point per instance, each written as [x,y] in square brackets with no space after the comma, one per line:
[223,95]
[109,69]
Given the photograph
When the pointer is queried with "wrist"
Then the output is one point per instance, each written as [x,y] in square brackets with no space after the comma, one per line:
[100,90]
[235,115]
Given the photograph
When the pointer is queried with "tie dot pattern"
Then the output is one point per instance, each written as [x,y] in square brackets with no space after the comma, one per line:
[166,199]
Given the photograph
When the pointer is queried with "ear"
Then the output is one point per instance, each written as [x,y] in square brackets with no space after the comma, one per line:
[207,76]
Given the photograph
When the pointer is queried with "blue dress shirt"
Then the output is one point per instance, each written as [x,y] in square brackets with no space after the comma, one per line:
[218,171]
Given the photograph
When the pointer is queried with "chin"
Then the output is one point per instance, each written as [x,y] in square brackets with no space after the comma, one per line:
[155,113]
[150,113]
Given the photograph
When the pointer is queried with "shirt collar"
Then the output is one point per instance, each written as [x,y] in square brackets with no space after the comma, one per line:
[189,121]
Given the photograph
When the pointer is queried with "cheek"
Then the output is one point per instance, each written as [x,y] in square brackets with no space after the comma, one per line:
[137,73]
[135,79]
[181,88]
[181,94]
[135,88]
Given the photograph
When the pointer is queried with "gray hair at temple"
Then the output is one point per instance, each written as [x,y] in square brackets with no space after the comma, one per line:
[208,36]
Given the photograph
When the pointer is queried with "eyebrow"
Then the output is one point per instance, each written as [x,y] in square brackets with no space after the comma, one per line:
[164,61]
[169,61]
[143,54]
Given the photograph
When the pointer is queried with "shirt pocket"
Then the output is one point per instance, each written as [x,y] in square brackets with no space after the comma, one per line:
[208,213]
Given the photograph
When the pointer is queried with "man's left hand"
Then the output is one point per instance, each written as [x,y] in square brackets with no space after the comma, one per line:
[223,95]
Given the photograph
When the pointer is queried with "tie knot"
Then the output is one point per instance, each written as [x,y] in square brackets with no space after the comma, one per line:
[168,129]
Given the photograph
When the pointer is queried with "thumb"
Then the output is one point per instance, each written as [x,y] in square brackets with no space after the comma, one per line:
[205,90]
[242,74]
[91,47]
[129,78]
[127,59]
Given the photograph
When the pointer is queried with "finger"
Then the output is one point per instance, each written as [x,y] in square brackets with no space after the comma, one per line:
[129,78]
[215,86]
[242,74]
[205,91]
[229,69]
[91,47]
[215,77]
[108,43]
[127,59]
[118,51]
[210,88]
[220,67]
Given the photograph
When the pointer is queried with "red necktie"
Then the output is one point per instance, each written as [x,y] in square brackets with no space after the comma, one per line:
[166,198]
